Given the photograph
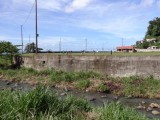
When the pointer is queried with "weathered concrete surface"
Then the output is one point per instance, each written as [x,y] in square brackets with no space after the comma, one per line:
[111,65]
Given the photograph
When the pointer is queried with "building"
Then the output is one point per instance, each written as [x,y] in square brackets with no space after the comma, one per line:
[153,47]
[151,40]
[125,49]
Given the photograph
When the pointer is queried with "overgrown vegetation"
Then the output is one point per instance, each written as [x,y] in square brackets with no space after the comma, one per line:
[141,87]
[135,86]
[41,103]
[5,61]
[116,111]
[7,51]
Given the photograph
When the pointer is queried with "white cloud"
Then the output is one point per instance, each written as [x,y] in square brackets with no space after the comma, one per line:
[123,18]
[147,3]
[52,42]
[158,3]
[77,4]
[52,5]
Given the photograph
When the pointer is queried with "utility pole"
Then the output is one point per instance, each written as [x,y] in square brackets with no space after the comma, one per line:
[36,27]
[29,39]
[122,41]
[60,45]
[86,43]
[22,37]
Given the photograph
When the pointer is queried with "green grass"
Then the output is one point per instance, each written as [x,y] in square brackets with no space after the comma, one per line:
[53,75]
[140,86]
[5,61]
[135,86]
[103,88]
[83,84]
[42,103]
[116,111]
[100,53]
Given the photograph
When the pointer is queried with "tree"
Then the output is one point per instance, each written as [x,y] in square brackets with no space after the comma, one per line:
[145,45]
[31,48]
[153,30]
[7,51]
[7,48]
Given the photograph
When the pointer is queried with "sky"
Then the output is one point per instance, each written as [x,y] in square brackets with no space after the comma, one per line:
[78,24]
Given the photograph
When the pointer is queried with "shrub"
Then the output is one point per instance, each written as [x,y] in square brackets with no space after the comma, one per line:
[103,88]
[83,84]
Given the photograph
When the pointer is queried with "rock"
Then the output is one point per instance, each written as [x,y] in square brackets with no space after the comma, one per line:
[87,90]
[21,88]
[62,94]
[103,96]
[16,84]
[143,102]
[155,112]
[154,105]
[65,89]
[129,96]
[53,86]
[8,83]
[116,97]
[92,99]
[149,109]
[140,107]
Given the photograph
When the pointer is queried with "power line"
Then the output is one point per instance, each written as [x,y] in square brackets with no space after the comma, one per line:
[28,14]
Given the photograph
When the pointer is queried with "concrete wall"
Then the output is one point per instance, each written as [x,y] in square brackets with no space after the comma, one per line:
[111,65]
[147,50]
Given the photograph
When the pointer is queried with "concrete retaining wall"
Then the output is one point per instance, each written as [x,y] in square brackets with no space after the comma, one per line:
[111,65]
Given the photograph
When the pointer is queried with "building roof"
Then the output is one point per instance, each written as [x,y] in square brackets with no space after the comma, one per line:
[125,47]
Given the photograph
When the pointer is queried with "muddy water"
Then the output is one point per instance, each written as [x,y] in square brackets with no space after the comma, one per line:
[97,99]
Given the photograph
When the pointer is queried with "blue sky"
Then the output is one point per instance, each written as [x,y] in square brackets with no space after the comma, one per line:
[104,23]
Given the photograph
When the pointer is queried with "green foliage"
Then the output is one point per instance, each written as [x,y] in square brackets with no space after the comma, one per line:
[58,76]
[153,28]
[31,48]
[134,85]
[40,103]
[83,84]
[7,50]
[103,88]
[140,86]
[116,111]
[7,47]
[153,31]
[5,61]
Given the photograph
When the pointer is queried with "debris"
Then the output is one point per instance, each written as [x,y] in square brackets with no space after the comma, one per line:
[155,112]
[62,94]
[149,109]
[141,107]
[154,105]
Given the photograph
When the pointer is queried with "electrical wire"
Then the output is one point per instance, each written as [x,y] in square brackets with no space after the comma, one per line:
[28,15]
